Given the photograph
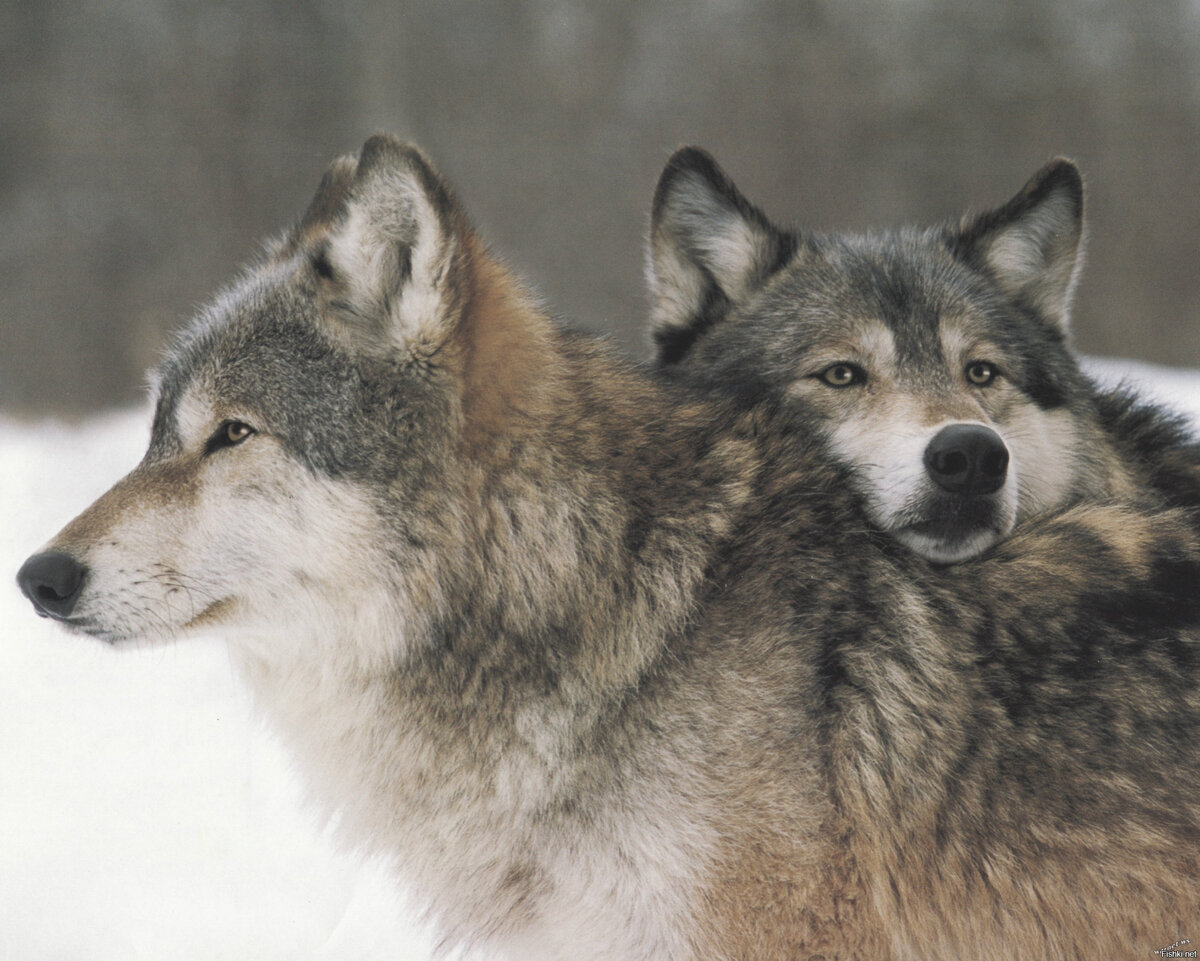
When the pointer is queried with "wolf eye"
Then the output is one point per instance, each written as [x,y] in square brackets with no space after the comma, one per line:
[229,434]
[981,373]
[843,375]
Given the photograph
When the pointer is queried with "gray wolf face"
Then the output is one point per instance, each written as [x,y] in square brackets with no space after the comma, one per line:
[933,360]
[297,400]
[418,510]
[601,668]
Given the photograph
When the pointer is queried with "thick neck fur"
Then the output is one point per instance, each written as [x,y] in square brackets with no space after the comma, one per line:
[568,545]
[563,455]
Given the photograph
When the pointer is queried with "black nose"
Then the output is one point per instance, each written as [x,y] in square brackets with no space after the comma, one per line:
[52,581]
[967,459]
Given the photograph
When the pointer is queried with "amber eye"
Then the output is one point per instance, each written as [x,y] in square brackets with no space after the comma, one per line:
[236,431]
[981,373]
[229,434]
[843,375]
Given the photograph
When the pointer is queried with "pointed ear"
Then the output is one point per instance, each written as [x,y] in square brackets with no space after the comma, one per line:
[709,247]
[331,196]
[324,210]
[391,267]
[1031,244]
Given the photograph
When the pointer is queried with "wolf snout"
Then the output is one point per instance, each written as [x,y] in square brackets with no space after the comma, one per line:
[967,459]
[52,581]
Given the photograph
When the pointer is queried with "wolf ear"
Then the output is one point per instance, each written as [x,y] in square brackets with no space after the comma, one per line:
[331,196]
[1031,244]
[391,265]
[323,211]
[709,246]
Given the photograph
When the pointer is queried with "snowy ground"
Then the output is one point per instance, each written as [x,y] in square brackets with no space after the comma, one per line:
[144,812]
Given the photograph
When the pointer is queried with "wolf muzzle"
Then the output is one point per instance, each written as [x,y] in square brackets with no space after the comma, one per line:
[53,582]
[967,459]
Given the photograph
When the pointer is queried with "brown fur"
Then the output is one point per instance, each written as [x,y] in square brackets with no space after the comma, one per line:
[610,672]
[170,485]
[503,359]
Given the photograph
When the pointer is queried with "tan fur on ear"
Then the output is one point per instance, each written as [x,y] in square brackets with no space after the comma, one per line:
[392,255]
[1033,243]
[706,241]
[713,233]
[330,199]
[324,209]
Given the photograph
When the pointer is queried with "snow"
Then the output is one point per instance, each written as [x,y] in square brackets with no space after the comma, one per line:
[1175,387]
[145,811]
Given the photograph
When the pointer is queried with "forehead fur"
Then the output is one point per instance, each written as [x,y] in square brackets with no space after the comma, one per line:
[840,288]
[260,352]
[843,287]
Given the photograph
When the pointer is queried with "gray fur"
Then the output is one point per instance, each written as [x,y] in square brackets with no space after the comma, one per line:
[607,671]
[912,308]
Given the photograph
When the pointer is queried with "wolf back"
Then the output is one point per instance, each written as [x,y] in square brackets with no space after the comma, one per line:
[608,671]
[934,360]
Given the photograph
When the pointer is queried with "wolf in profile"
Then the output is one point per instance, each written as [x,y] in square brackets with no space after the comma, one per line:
[609,671]
[934,361]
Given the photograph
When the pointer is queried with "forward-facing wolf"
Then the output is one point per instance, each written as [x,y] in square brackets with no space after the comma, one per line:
[934,361]
[612,673]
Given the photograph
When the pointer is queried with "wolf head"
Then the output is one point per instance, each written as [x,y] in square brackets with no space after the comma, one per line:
[300,430]
[935,360]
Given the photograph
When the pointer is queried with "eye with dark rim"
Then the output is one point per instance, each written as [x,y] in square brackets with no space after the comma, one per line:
[229,434]
[843,375]
[981,372]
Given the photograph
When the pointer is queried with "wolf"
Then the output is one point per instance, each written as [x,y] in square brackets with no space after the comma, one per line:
[609,670]
[935,361]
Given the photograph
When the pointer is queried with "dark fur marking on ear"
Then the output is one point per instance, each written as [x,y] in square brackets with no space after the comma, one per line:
[1057,176]
[321,264]
[696,162]
[692,181]
[383,152]
[674,343]
[330,199]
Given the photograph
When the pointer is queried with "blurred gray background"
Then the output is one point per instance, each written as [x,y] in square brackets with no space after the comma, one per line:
[148,145]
